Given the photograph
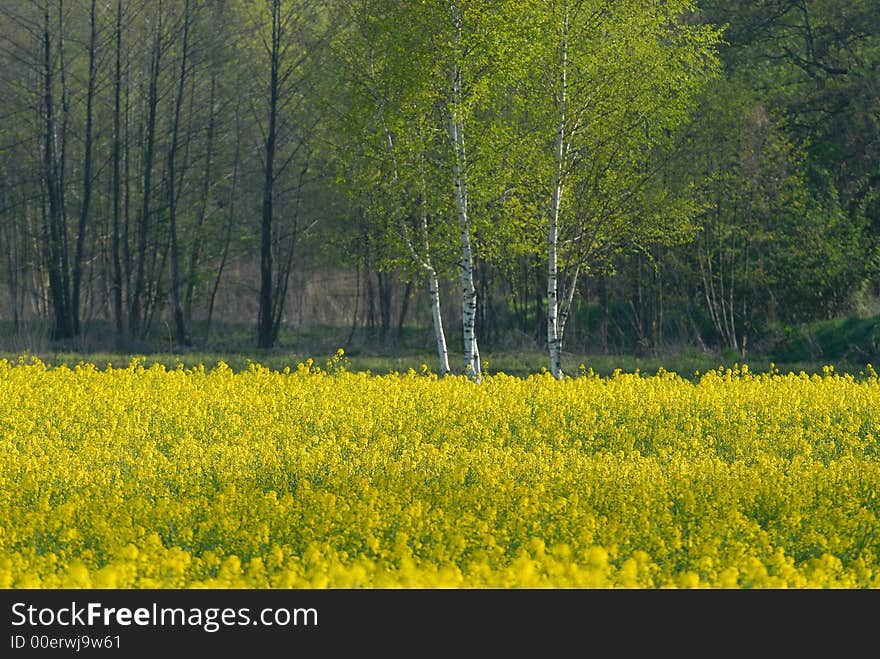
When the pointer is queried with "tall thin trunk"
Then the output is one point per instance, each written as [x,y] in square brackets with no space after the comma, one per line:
[404,309]
[422,261]
[61,164]
[357,300]
[383,279]
[265,338]
[8,237]
[117,154]
[36,235]
[52,216]
[434,288]
[179,325]
[195,252]
[87,174]
[437,318]
[554,329]
[286,267]
[230,221]
[126,187]
[472,368]
[136,325]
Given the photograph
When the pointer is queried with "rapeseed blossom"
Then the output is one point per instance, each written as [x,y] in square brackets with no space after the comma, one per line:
[149,477]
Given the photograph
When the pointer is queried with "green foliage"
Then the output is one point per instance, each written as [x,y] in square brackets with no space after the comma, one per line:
[850,340]
[813,65]
[748,164]
[632,75]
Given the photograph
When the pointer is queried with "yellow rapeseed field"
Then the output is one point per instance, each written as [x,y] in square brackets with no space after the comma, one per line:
[148,477]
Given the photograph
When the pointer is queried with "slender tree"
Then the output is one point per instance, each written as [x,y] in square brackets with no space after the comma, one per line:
[611,83]
[179,323]
[82,226]
[55,231]
[137,320]
[116,157]
[387,146]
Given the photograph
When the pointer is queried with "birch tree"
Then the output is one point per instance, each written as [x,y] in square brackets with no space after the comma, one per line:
[485,50]
[422,75]
[467,42]
[609,83]
[388,142]
[456,120]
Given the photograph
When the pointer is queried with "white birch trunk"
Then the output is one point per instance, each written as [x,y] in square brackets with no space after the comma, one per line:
[440,337]
[468,292]
[472,366]
[423,261]
[555,323]
[434,287]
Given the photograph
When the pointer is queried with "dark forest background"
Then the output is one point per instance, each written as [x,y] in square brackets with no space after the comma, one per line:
[136,212]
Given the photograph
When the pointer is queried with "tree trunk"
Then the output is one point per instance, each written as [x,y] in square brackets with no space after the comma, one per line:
[472,368]
[265,316]
[117,155]
[404,309]
[230,220]
[423,261]
[8,238]
[54,242]
[433,288]
[195,252]
[437,318]
[554,327]
[385,286]
[126,240]
[61,168]
[136,324]
[87,174]
[181,334]
[357,300]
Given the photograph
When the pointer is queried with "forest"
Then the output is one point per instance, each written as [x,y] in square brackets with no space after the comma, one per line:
[462,176]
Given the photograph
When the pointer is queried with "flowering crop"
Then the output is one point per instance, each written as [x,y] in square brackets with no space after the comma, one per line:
[143,477]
